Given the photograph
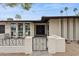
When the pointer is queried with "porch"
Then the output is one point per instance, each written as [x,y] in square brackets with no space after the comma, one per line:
[71,50]
[27,46]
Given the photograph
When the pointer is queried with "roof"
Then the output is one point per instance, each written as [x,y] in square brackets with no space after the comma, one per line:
[44,19]
[60,16]
[19,20]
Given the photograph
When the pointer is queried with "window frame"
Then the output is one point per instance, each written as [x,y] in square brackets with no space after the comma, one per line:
[2,29]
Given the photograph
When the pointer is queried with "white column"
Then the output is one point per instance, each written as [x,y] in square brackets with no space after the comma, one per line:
[31,29]
[23,29]
[8,27]
[16,29]
[59,27]
[45,28]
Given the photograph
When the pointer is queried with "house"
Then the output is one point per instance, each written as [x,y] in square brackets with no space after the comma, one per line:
[63,26]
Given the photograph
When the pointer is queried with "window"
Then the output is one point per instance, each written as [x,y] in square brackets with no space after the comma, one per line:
[13,29]
[27,29]
[20,29]
[2,29]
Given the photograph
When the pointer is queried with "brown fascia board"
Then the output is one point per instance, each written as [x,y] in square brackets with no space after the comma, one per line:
[60,17]
[46,18]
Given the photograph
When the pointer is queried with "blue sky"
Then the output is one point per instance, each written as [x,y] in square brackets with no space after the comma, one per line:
[38,10]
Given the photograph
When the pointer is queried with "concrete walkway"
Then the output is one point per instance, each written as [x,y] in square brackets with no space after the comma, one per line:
[40,53]
[35,53]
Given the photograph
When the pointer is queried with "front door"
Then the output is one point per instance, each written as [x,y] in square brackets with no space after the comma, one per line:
[40,29]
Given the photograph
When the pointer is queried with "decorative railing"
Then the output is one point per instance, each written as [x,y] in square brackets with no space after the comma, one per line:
[6,40]
[12,42]
[15,44]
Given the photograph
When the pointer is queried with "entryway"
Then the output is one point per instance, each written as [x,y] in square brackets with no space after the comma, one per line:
[40,29]
[40,40]
[39,44]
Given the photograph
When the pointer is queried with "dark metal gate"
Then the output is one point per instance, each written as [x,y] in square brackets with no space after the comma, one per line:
[39,43]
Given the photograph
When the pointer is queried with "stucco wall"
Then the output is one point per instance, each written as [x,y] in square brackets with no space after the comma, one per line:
[55,44]
[64,28]
[54,28]
[70,29]
[77,29]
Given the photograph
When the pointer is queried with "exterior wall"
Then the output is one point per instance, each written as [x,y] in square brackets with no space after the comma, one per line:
[68,29]
[60,27]
[7,27]
[64,28]
[71,29]
[77,29]
[54,27]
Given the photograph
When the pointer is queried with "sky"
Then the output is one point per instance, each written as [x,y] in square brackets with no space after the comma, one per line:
[38,10]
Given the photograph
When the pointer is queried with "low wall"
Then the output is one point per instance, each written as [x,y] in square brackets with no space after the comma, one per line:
[26,48]
[56,44]
[12,49]
[28,45]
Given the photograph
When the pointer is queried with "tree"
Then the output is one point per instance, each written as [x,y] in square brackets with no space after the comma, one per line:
[77,14]
[18,16]
[25,6]
[10,19]
[61,11]
[75,11]
[66,9]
